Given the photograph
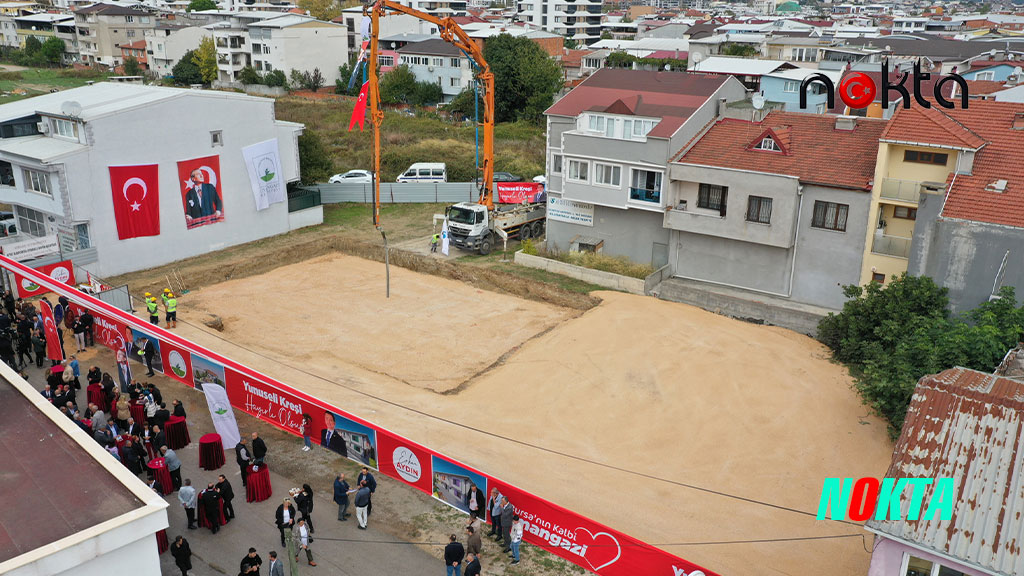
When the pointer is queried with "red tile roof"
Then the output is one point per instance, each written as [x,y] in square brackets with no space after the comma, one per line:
[573,58]
[981,87]
[815,151]
[137,45]
[927,126]
[965,425]
[671,96]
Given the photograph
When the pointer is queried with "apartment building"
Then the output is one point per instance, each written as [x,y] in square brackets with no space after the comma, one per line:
[438,62]
[576,20]
[44,26]
[169,42]
[102,28]
[609,142]
[286,42]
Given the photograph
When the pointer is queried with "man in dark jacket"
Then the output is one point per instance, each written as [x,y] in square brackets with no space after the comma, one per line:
[362,503]
[285,518]
[371,482]
[130,458]
[251,563]
[227,494]
[211,505]
[475,501]
[162,416]
[341,489]
[259,448]
[507,512]
[243,457]
[472,565]
[179,410]
[182,555]
[453,554]
[148,351]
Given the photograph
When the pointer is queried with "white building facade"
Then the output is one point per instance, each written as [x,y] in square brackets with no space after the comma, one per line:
[287,42]
[577,20]
[166,46]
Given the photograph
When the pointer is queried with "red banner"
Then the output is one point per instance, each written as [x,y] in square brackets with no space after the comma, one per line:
[584,542]
[201,191]
[136,194]
[177,363]
[63,272]
[519,192]
[53,349]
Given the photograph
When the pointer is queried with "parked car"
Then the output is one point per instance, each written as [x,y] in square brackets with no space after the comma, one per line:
[425,172]
[352,176]
[502,177]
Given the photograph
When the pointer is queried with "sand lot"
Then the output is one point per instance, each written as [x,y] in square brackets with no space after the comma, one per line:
[660,388]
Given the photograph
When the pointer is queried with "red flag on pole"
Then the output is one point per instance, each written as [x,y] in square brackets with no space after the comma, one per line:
[53,349]
[359,112]
[136,198]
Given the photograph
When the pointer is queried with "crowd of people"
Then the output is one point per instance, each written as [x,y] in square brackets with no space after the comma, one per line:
[23,335]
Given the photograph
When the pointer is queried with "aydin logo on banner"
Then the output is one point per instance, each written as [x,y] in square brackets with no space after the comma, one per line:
[858,90]
[407,464]
[60,274]
[859,499]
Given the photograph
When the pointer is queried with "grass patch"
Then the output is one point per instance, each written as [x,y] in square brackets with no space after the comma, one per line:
[597,261]
[36,81]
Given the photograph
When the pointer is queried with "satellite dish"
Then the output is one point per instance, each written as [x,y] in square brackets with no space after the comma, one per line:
[696,57]
[668,67]
[758,101]
[71,108]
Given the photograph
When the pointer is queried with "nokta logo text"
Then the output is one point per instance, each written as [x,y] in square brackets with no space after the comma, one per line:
[858,90]
[858,500]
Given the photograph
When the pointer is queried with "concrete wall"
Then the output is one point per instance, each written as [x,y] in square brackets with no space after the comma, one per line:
[309,217]
[599,277]
[965,256]
[399,192]
[163,133]
[629,233]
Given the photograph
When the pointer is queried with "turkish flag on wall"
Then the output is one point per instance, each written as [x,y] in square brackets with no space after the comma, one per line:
[136,197]
[53,349]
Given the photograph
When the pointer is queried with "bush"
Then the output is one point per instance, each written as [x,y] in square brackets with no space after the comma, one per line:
[249,75]
[275,78]
[314,164]
[597,261]
[528,247]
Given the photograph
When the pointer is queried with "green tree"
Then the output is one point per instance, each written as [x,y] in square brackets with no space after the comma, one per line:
[427,94]
[463,105]
[297,80]
[186,71]
[325,10]
[201,5]
[132,67]
[275,78]
[314,80]
[32,46]
[341,84]
[525,78]
[205,58]
[249,75]
[734,49]
[314,164]
[398,86]
[52,50]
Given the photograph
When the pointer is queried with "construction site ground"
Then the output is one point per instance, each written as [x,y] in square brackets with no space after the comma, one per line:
[674,397]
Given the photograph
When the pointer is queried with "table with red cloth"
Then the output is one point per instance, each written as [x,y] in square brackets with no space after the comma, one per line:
[204,522]
[257,484]
[120,440]
[149,447]
[95,395]
[211,452]
[177,433]
[162,474]
[161,542]
[138,412]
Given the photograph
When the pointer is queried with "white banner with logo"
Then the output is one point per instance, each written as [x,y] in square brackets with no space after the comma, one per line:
[570,211]
[444,237]
[263,161]
[222,414]
[30,249]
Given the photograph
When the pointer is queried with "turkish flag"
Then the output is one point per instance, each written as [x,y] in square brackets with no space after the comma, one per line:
[359,112]
[53,349]
[136,200]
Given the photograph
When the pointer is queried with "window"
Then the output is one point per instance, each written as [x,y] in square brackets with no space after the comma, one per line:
[454,82]
[386,60]
[82,235]
[820,109]
[607,175]
[597,123]
[258,64]
[759,209]
[768,143]
[129,18]
[645,186]
[805,54]
[268,67]
[641,128]
[66,128]
[257,48]
[904,212]
[830,216]
[130,33]
[876,277]
[6,173]
[990,75]
[438,62]
[556,163]
[713,197]
[578,171]
[266,50]
[31,222]
[609,128]
[915,566]
[791,86]
[216,138]
[455,62]
[925,157]
[37,181]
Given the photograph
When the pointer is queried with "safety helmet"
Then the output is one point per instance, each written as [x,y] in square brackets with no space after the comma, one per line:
[169,294]
[167,290]
[148,294]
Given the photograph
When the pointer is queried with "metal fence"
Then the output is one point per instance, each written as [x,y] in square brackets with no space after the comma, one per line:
[406,192]
[118,296]
[303,198]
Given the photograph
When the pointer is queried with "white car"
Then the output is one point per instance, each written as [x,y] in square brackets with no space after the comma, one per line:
[352,177]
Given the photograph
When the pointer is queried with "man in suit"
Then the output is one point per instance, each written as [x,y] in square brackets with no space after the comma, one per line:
[48,394]
[472,565]
[201,199]
[243,457]
[179,410]
[330,439]
[211,506]
[148,351]
[371,483]
[159,438]
[162,416]
[475,500]
[507,512]
[226,494]
[276,566]
[132,429]
[259,448]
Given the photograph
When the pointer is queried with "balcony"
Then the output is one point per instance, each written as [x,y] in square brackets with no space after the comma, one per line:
[901,190]
[644,195]
[891,246]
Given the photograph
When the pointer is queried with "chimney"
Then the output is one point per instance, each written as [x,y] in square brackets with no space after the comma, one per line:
[846,123]
[722,105]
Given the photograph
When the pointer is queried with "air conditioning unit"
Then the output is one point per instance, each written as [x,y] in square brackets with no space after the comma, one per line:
[430,68]
[43,127]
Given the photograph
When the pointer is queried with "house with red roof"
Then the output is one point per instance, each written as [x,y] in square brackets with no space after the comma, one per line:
[964,425]
[774,209]
[969,234]
[610,140]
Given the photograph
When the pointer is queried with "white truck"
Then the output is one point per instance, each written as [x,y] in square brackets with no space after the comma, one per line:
[472,227]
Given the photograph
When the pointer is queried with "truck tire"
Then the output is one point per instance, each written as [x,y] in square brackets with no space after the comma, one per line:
[525,232]
[485,247]
[538,229]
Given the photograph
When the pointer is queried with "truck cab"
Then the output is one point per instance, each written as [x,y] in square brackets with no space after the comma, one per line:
[468,226]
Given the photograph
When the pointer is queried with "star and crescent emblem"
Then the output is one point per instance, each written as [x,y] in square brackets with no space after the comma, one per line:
[133,182]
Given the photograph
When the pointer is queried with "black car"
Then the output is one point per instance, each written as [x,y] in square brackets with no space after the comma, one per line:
[502,177]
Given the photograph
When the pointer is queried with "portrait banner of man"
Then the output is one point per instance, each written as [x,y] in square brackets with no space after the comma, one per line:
[201,191]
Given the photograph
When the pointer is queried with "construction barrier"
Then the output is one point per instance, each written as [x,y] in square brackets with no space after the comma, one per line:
[582,541]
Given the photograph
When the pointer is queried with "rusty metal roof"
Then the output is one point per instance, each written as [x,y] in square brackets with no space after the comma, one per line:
[967,425]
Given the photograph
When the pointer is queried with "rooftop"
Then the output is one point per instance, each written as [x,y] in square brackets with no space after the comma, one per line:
[809,143]
[671,96]
[966,425]
[743,66]
[432,47]
[110,10]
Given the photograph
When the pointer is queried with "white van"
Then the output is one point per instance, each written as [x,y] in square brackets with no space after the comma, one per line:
[425,172]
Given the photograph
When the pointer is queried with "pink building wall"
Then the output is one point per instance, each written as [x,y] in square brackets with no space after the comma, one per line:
[887,558]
